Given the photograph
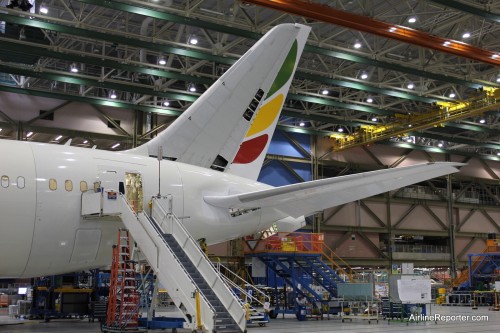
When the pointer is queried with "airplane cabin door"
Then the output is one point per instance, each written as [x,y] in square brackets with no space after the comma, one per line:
[134,191]
[110,178]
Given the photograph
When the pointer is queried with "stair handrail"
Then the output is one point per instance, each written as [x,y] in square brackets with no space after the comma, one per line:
[464,275]
[210,310]
[232,305]
[331,257]
[243,281]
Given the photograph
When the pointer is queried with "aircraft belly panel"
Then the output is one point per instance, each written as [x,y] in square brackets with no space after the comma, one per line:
[17,206]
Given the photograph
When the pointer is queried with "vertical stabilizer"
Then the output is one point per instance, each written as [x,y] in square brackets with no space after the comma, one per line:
[250,157]
[210,132]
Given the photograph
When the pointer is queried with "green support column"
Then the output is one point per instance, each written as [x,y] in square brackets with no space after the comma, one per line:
[453,259]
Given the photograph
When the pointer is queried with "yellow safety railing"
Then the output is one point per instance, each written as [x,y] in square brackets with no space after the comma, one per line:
[443,112]
[331,257]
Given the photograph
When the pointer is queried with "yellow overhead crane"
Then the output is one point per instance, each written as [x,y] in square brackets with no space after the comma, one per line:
[485,100]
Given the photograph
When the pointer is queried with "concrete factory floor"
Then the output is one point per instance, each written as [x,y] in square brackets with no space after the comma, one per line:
[449,320]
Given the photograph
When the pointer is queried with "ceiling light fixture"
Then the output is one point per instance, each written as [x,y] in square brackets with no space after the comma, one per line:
[166,102]
[410,86]
[302,124]
[115,145]
[43,9]
[192,87]
[113,95]
[364,76]
[452,95]
[374,118]
[369,100]
[447,43]
[73,68]
[466,35]
[59,138]
[340,130]
[162,61]
[85,142]
[357,45]
[193,40]
[412,19]
[29,134]
[392,29]
[482,121]
[324,92]
[498,79]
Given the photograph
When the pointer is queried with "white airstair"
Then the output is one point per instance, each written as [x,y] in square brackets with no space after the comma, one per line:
[192,281]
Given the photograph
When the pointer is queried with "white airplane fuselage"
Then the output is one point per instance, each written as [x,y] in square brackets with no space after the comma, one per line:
[43,232]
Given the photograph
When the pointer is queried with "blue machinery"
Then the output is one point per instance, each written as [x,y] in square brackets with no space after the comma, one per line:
[296,260]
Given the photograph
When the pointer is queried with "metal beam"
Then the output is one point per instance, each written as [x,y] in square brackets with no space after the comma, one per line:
[469,9]
[253,35]
[371,213]
[435,217]
[47,112]
[292,171]
[366,24]
[405,214]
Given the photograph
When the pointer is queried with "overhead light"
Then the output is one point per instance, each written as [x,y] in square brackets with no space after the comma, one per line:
[193,40]
[482,121]
[410,86]
[191,87]
[0,129]
[498,79]
[369,100]
[166,102]
[392,29]
[59,138]
[440,144]
[495,56]
[409,139]
[498,153]
[302,124]
[73,68]
[85,142]
[447,43]
[29,134]
[374,118]
[340,129]
[412,19]
[113,95]
[452,95]
[364,76]
[162,61]
[357,45]
[466,35]
[324,92]
[115,145]
[44,9]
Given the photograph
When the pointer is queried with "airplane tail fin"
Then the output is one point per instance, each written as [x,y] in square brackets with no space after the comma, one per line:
[243,105]
[252,152]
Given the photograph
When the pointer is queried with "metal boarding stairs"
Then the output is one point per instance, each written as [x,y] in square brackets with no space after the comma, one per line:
[194,285]
[302,258]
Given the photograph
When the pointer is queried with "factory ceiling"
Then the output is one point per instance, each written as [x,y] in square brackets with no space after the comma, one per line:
[367,62]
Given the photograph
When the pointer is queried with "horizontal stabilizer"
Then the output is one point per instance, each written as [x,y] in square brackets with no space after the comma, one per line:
[309,197]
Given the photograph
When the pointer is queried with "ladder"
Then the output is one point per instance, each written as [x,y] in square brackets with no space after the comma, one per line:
[123,306]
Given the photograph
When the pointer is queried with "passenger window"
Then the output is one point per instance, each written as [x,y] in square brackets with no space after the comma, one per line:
[53,184]
[68,185]
[5,181]
[83,186]
[20,182]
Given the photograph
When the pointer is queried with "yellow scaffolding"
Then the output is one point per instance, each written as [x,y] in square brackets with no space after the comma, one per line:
[486,100]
